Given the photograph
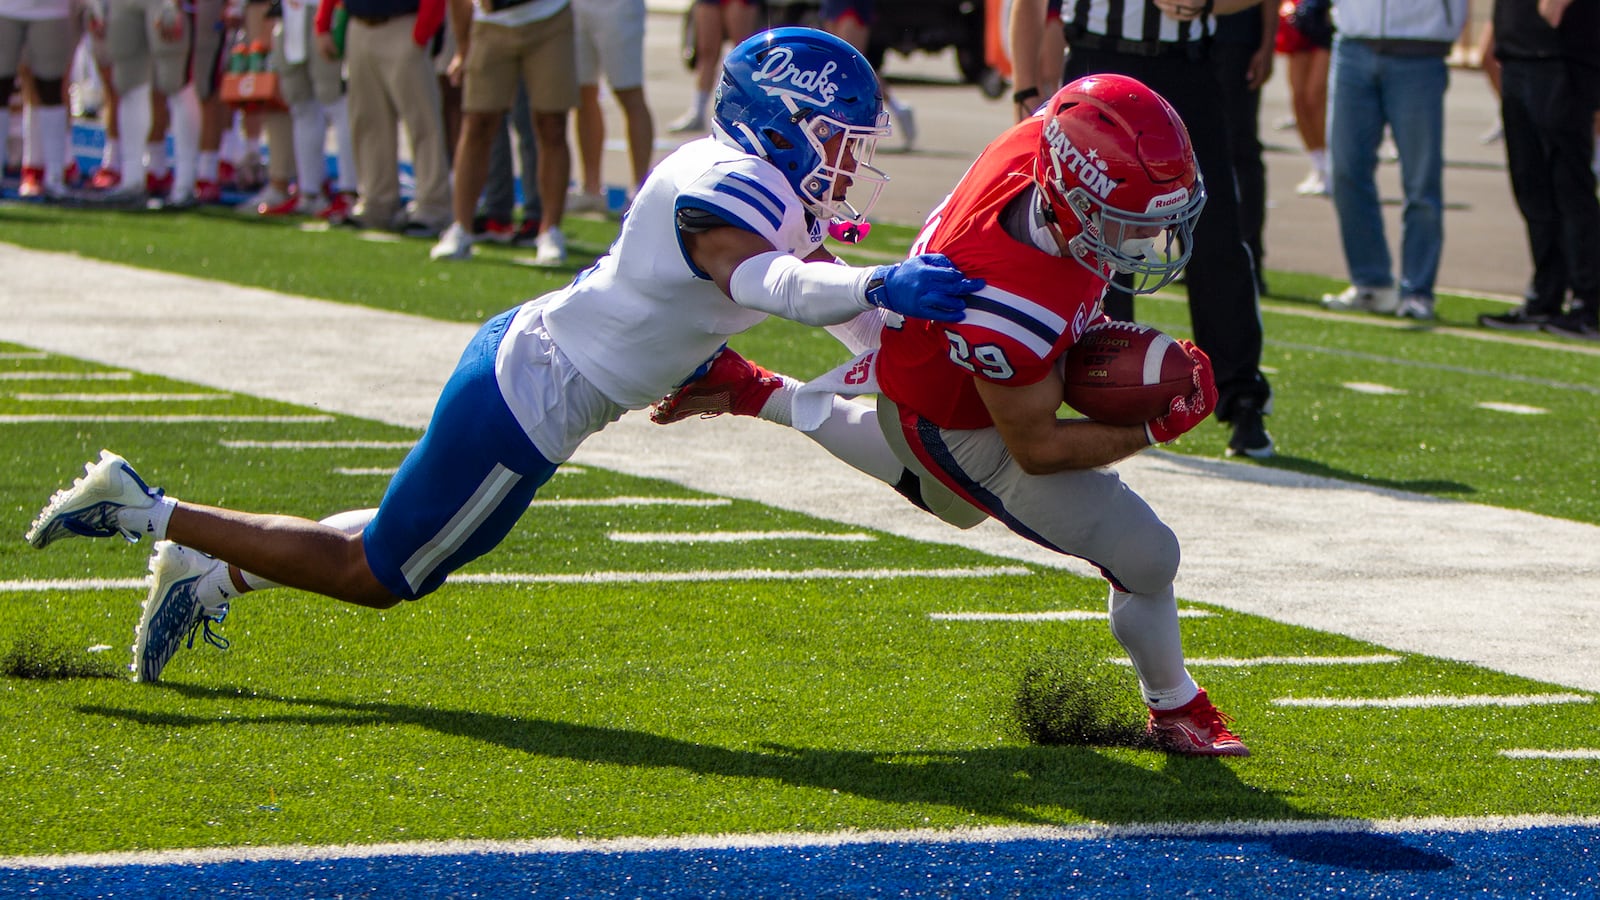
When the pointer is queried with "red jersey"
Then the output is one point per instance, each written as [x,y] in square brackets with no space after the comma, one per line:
[1034,307]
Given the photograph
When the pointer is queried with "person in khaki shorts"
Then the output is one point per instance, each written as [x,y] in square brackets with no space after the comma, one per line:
[498,41]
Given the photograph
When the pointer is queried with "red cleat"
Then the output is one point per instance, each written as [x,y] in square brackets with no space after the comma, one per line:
[732,384]
[32,182]
[1195,729]
[158,185]
[105,179]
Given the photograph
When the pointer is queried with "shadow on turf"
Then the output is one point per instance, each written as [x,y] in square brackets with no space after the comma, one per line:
[1293,471]
[1018,785]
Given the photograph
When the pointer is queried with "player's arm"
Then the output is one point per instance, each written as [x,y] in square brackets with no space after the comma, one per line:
[1041,444]
[746,267]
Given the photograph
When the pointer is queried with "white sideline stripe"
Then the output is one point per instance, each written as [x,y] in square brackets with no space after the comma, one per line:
[1432,702]
[734,575]
[66,376]
[633,501]
[1250,828]
[317,445]
[733,537]
[1367,387]
[120,584]
[1551,754]
[74,584]
[119,398]
[1516,409]
[1239,662]
[387,471]
[1059,615]
[100,420]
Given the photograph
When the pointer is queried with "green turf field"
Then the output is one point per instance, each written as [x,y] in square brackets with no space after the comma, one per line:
[688,692]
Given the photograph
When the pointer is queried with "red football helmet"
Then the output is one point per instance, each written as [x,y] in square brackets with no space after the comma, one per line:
[1118,179]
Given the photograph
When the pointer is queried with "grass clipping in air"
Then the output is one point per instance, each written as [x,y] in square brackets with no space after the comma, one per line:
[1068,702]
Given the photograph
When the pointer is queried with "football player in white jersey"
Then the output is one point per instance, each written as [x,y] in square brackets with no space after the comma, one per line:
[726,231]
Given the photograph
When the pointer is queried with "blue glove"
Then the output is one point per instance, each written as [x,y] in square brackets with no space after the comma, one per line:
[923,287]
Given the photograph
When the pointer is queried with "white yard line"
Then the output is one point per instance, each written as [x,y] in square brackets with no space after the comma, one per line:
[1512,591]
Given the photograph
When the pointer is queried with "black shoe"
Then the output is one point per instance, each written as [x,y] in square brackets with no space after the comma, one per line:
[1250,436]
[1518,319]
[1571,325]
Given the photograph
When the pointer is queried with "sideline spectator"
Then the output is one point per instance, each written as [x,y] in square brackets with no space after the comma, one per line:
[1389,69]
[1549,58]
[1164,44]
[1305,35]
[714,22]
[391,80]
[1038,76]
[610,36]
[500,189]
[45,31]
[532,39]
[312,85]
[852,20]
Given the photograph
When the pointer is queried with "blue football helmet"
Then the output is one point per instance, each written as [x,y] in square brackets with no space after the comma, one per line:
[786,94]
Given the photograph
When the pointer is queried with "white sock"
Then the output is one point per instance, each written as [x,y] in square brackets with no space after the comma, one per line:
[5,133]
[110,157]
[206,169]
[217,584]
[156,161]
[150,521]
[30,138]
[1146,625]
[779,406]
[184,108]
[1319,160]
[52,128]
[310,141]
[702,100]
[338,116]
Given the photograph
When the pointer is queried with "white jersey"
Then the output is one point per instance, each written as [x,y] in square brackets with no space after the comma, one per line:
[644,317]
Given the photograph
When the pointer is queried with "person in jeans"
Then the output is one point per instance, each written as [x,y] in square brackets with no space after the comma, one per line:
[1389,69]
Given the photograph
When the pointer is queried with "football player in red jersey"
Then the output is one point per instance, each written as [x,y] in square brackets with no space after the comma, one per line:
[1101,181]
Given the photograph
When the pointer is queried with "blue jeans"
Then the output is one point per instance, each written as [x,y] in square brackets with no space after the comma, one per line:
[1367,90]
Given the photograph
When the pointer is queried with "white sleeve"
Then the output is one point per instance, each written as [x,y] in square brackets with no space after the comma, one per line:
[812,293]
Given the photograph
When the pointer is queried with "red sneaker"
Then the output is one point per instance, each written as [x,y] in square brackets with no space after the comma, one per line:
[732,384]
[158,185]
[498,231]
[1195,729]
[32,182]
[207,191]
[288,206]
[527,233]
[339,209]
[105,179]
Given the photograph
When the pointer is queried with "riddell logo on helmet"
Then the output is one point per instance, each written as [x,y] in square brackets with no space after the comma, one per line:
[779,75]
[1176,198]
[1086,166]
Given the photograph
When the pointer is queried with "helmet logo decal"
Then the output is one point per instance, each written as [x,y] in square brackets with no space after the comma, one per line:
[779,76]
[1179,197]
[1089,167]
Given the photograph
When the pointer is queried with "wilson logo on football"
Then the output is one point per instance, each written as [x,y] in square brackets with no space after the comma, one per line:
[779,76]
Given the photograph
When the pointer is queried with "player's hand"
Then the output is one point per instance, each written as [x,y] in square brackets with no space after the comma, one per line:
[1189,411]
[923,287]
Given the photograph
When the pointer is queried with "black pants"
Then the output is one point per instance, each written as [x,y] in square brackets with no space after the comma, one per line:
[1223,307]
[1549,136]
[1242,106]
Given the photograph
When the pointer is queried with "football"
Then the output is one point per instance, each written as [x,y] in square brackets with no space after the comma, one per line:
[1125,374]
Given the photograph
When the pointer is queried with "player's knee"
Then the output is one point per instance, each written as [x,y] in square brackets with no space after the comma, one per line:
[1146,559]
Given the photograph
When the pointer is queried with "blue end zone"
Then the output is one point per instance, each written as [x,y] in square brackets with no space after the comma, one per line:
[1547,862]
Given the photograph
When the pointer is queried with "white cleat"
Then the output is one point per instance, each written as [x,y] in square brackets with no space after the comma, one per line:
[174,611]
[89,507]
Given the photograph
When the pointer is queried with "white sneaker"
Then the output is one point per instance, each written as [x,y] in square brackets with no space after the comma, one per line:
[454,243]
[552,246]
[268,196]
[691,121]
[1313,185]
[580,202]
[174,610]
[1374,299]
[1416,306]
[89,507]
[905,122]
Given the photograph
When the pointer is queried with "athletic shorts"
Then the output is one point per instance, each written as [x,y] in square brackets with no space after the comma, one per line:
[541,54]
[610,41]
[463,487]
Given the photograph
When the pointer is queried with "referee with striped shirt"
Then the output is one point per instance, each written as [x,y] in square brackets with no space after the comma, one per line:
[1166,45]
